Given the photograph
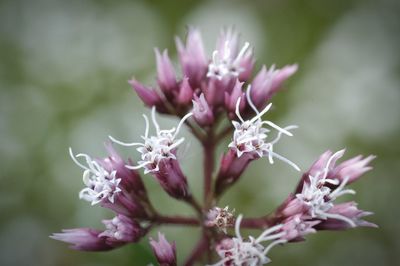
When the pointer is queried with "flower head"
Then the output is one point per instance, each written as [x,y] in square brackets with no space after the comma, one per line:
[297,226]
[351,169]
[318,195]
[238,251]
[227,60]
[121,229]
[348,210]
[156,148]
[250,135]
[101,185]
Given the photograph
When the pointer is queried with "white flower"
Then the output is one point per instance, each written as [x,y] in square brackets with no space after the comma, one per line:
[226,60]
[250,135]
[100,184]
[240,252]
[319,197]
[156,148]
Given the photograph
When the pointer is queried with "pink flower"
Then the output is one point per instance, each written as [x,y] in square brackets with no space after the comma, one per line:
[119,231]
[164,251]
[158,157]
[148,95]
[104,185]
[192,57]
[348,210]
[202,112]
[351,169]
[86,239]
[165,73]
[298,226]
[268,82]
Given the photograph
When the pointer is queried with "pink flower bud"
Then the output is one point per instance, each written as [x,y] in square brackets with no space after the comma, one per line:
[247,65]
[297,226]
[290,207]
[148,95]
[232,98]
[215,90]
[349,170]
[121,229]
[231,169]
[192,57]
[348,210]
[165,73]
[164,251]
[268,82]
[130,179]
[85,239]
[185,92]
[172,179]
[201,111]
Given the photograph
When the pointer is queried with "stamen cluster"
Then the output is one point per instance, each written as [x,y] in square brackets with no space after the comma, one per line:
[213,93]
[100,184]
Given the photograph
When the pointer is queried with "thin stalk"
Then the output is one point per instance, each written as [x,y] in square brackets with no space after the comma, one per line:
[260,222]
[176,220]
[209,154]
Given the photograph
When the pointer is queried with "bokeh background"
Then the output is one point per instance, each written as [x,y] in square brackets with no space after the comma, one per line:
[63,82]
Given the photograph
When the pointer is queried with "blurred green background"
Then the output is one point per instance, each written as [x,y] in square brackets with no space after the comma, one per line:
[63,72]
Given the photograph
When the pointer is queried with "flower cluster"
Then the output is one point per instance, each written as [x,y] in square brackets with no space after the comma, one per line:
[214,97]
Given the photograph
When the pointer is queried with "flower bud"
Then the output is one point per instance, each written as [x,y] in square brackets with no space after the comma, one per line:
[165,73]
[231,169]
[202,111]
[348,210]
[164,251]
[192,58]
[148,95]
[121,229]
[85,239]
[172,179]
[185,92]
[268,82]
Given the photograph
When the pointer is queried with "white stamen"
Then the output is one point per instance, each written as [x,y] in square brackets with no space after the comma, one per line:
[320,198]
[127,144]
[153,118]
[251,251]
[100,184]
[226,63]
[181,123]
[156,148]
[250,101]
[250,136]
[237,110]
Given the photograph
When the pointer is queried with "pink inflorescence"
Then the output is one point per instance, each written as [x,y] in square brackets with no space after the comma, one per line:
[214,97]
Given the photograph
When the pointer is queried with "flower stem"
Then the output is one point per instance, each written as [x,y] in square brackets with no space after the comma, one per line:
[209,150]
[260,222]
[176,220]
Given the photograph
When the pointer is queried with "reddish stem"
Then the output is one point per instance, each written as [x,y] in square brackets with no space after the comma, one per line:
[260,222]
[209,149]
[176,220]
